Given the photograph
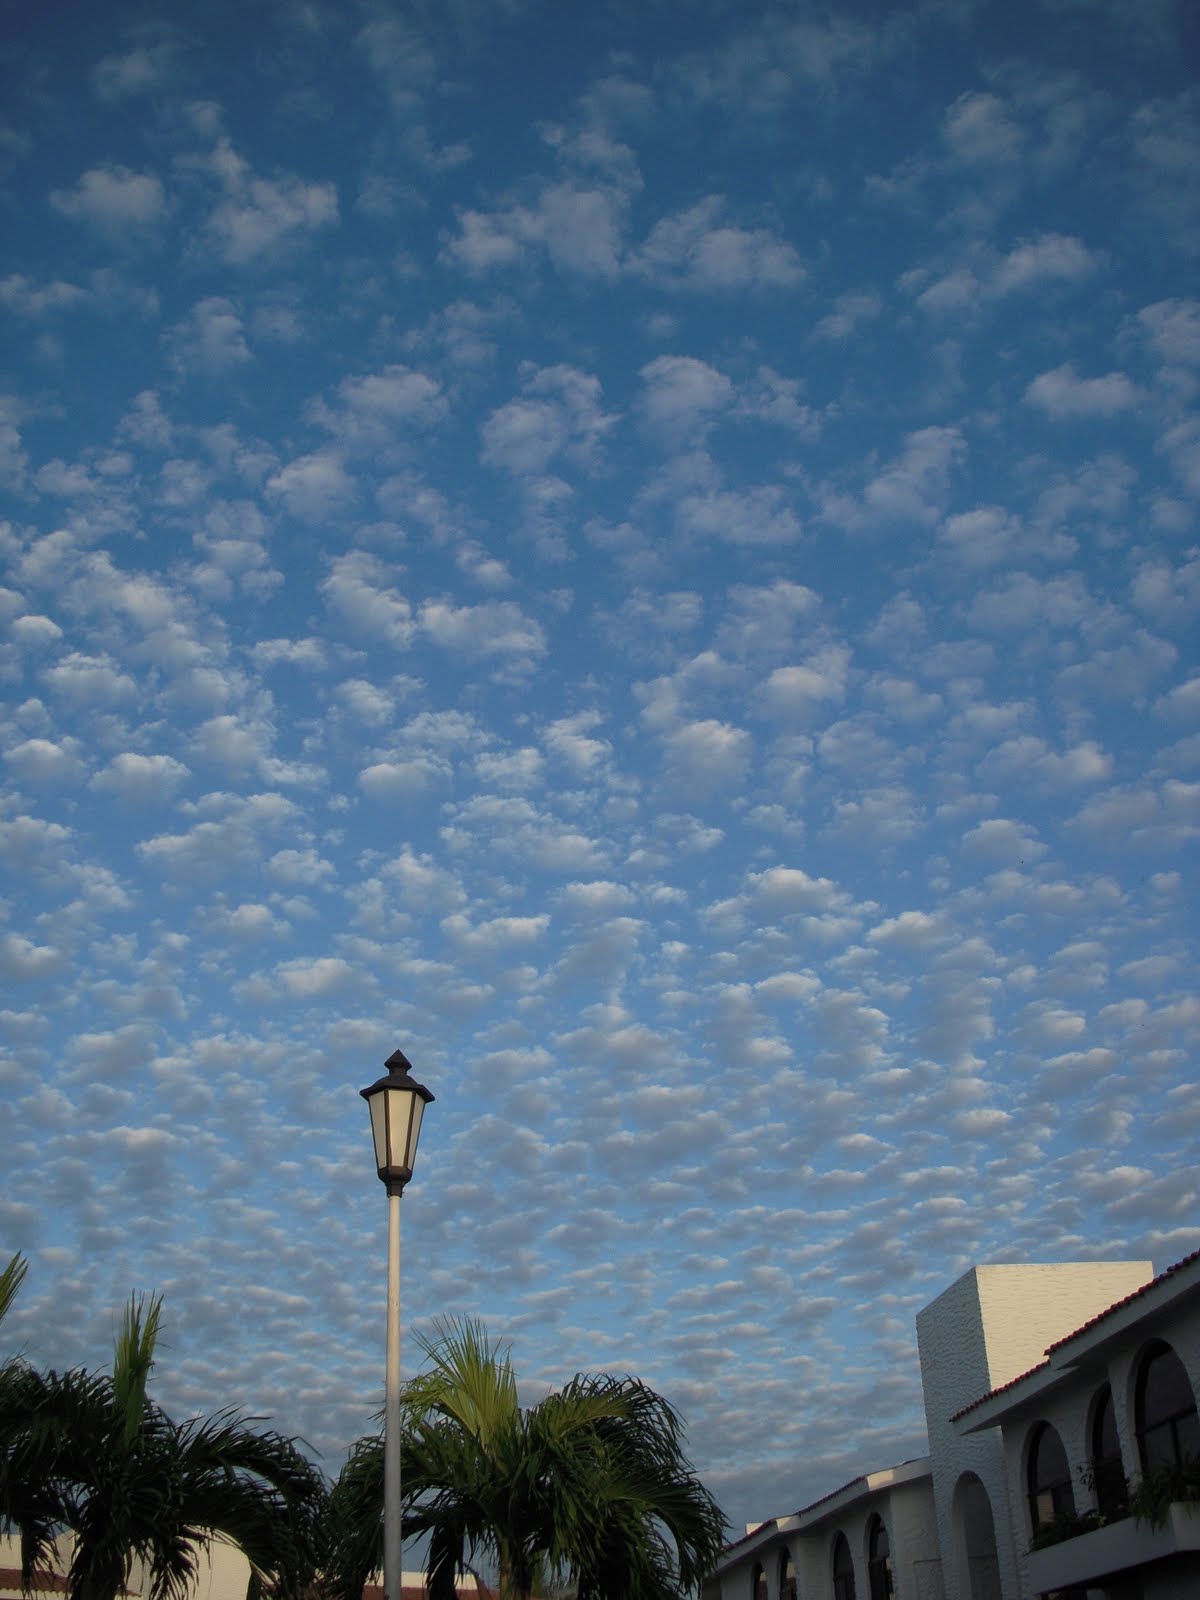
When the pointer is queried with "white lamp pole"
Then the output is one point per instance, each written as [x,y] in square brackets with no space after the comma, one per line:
[397,1102]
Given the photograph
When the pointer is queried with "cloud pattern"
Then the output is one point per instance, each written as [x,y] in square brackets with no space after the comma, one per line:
[653,565]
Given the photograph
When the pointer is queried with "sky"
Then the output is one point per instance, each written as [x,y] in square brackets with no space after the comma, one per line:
[646,555]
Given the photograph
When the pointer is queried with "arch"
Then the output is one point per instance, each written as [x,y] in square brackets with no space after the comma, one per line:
[880,1577]
[1048,1478]
[975,1540]
[1168,1430]
[787,1575]
[843,1569]
[758,1583]
[1104,1456]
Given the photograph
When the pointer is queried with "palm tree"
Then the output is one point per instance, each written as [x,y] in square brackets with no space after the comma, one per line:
[28,1505]
[591,1485]
[144,1495]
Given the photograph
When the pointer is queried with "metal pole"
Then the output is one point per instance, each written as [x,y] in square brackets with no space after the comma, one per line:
[392,1538]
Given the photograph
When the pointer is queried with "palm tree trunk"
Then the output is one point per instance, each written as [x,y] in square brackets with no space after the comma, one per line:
[510,1588]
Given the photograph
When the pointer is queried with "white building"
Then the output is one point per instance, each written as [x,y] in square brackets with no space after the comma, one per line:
[1050,1391]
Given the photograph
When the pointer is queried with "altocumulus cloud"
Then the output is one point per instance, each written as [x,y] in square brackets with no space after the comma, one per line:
[663,584]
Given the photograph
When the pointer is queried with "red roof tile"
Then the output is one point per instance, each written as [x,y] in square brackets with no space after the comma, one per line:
[44,1581]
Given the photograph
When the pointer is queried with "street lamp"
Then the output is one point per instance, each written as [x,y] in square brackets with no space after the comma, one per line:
[397,1102]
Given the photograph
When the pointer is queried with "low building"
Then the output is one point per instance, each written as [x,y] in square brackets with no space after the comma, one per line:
[222,1573]
[1051,1392]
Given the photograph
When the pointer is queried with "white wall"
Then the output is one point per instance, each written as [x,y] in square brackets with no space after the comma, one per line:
[1069,1410]
[986,1329]
[907,1512]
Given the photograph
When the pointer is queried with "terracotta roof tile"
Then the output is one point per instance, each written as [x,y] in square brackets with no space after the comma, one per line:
[44,1581]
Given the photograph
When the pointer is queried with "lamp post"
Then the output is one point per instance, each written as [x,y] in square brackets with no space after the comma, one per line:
[397,1102]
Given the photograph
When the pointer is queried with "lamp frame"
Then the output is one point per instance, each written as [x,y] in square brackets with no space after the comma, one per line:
[398,1083]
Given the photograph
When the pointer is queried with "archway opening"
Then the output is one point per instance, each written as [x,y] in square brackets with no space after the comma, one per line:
[975,1531]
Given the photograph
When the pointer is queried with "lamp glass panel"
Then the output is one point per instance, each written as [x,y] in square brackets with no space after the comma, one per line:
[418,1109]
[395,1127]
[378,1105]
[399,1102]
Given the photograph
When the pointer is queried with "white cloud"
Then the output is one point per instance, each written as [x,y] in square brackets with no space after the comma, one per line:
[1003,842]
[227,836]
[499,936]
[26,962]
[300,867]
[370,409]
[757,516]
[486,241]
[1063,395]
[143,70]
[29,299]
[681,394]
[1181,444]
[559,414]
[569,739]
[43,761]
[314,487]
[707,755]
[495,629]
[915,931]
[983,537]
[917,480]
[14,461]
[579,225]
[123,205]
[317,977]
[783,891]
[1182,701]
[1019,598]
[211,338]
[402,779]
[696,250]
[1172,328]
[849,312]
[513,827]
[582,228]
[260,216]
[799,691]
[35,632]
[767,63]
[1145,815]
[141,780]
[1051,257]
[85,680]
[980,131]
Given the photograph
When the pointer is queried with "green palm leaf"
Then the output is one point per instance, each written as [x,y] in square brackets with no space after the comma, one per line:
[590,1485]
[145,1496]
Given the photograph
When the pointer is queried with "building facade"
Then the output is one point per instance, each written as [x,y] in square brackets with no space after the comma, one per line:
[1050,1392]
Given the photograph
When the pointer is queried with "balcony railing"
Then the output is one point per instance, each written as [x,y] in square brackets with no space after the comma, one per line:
[1116,1547]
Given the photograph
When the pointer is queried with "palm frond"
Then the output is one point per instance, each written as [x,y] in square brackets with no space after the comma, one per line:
[590,1486]
[133,1359]
[11,1280]
[471,1377]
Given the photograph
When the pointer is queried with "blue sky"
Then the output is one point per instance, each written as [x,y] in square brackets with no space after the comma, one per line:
[648,556]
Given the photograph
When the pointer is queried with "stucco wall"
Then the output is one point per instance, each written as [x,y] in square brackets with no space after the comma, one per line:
[954,1371]
[1069,1410]
[989,1327]
[912,1526]
[907,1512]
